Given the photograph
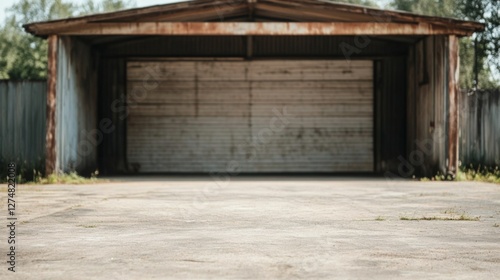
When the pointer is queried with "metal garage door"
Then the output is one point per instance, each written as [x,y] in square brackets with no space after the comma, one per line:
[252,116]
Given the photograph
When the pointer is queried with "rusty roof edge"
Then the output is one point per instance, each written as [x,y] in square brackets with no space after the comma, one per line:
[478,26]
[36,28]
[130,12]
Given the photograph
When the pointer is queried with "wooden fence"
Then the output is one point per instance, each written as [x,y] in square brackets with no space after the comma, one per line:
[22,125]
[480,128]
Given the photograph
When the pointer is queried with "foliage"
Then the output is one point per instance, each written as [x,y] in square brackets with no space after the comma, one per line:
[488,49]
[90,7]
[488,42]
[66,178]
[25,170]
[442,8]
[23,56]
[471,173]
[479,174]
[28,174]
[369,3]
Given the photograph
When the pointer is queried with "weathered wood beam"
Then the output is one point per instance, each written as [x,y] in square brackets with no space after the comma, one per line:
[256,28]
[453,88]
[50,143]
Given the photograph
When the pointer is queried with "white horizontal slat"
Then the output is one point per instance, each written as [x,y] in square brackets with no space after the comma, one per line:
[198,116]
[309,70]
[149,73]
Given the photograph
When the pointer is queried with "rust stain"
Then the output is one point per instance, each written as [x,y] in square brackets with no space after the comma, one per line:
[453,106]
[50,146]
[261,28]
[314,12]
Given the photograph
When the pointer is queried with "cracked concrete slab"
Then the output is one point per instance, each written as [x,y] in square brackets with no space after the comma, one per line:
[256,228]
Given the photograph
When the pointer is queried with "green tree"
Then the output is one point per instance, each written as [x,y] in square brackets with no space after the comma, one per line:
[485,11]
[487,42]
[24,56]
[9,39]
[369,3]
[442,8]
[91,7]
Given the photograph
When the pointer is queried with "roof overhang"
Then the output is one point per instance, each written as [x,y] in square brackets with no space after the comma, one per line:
[252,17]
[257,28]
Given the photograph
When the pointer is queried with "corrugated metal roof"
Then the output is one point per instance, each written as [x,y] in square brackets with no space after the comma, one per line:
[311,11]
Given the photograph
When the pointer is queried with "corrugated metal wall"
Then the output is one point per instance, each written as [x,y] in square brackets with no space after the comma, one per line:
[325,46]
[178,46]
[115,54]
[22,124]
[259,46]
[112,107]
[390,119]
[76,107]
[426,108]
[480,128]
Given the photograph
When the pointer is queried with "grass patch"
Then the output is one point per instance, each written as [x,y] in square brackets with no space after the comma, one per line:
[470,173]
[66,178]
[35,177]
[451,211]
[462,217]
[479,174]
[380,219]
[438,177]
[25,170]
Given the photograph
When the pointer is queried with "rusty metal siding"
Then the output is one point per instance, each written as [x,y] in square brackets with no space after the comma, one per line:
[22,124]
[50,138]
[440,79]
[76,107]
[268,17]
[480,128]
[427,108]
[453,106]
[258,29]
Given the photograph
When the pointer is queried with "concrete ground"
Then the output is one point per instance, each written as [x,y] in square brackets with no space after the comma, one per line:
[255,228]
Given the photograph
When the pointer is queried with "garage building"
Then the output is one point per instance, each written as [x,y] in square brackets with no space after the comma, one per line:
[253,86]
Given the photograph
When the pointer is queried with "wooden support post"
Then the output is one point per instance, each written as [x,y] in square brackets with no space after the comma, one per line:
[50,140]
[453,88]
